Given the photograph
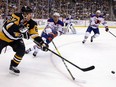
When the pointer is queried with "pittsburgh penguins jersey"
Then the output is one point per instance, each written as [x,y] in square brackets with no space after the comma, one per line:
[32,28]
[11,28]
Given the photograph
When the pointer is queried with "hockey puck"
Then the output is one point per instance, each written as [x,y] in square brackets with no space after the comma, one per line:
[113,72]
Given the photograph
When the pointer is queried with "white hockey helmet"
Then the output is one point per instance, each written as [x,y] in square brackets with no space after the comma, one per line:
[69,16]
[98,11]
[56,14]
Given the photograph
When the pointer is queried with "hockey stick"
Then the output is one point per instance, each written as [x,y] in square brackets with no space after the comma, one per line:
[63,61]
[82,69]
[112,34]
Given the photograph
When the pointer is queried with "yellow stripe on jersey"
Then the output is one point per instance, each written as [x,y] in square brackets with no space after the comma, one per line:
[16,18]
[34,30]
[4,38]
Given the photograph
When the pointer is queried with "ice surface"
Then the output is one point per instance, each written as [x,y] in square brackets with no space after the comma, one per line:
[48,70]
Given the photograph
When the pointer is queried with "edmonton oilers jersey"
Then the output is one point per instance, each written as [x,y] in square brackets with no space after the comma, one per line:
[95,21]
[55,26]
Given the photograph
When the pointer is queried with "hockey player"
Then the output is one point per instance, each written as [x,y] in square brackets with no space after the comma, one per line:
[69,25]
[18,26]
[95,21]
[54,28]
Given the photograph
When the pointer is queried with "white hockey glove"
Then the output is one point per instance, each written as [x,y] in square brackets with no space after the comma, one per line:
[25,35]
[23,30]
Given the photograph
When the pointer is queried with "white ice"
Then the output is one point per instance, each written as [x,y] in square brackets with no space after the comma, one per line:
[48,70]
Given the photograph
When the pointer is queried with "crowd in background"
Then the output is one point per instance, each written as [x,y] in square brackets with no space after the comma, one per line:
[79,9]
[114,7]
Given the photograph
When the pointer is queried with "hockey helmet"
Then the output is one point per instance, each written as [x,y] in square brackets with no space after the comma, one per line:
[69,16]
[26,9]
[98,11]
[56,14]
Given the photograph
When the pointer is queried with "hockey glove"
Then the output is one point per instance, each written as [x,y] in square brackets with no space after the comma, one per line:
[44,47]
[26,35]
[107,29]
[97,21]
[38,40]
[23,30]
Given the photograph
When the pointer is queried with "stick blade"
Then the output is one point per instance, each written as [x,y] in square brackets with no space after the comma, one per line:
[88,68]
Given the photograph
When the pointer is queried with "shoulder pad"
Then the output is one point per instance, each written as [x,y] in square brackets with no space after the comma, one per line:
[50,20]
[101,16]
[33,22]
[60,22]
[19,15]
[93,15]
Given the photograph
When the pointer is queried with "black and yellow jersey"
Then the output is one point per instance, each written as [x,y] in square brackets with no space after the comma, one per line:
[11,32]
[32,28]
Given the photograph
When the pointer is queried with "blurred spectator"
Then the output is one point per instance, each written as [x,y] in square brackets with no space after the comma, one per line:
[80,9]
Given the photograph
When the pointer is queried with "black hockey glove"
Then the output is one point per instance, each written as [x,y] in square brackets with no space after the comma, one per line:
[38,40]
[44,47]
[106,29]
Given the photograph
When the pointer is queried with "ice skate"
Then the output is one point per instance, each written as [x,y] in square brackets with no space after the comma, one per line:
[91,38]
[83,41]
[14,70]
[35,54]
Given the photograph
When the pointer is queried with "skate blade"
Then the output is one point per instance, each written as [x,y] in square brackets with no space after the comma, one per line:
[13,73]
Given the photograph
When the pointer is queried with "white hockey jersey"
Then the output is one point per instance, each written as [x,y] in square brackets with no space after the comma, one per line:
[95,21]
[52,26]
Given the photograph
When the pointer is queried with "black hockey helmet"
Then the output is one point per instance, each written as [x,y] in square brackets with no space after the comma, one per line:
[26,9]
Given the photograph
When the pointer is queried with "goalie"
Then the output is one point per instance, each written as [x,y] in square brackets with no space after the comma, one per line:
[69,25]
